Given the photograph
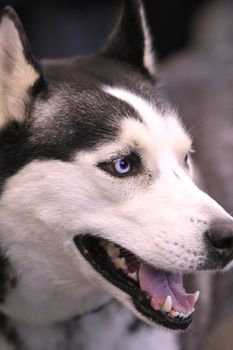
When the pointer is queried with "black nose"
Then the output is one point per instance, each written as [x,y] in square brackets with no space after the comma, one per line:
[220,238]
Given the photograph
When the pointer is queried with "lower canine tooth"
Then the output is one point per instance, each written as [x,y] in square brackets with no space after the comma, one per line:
[196,295]
[167,306]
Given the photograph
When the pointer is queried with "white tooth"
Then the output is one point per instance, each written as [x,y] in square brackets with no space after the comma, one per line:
[193,310]
[112,250]
[181,314]
[196,295]
[120,262]
[133,275]
[173,313]
[167,306]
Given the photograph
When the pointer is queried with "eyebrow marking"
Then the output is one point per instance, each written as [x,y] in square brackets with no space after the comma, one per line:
[148,112]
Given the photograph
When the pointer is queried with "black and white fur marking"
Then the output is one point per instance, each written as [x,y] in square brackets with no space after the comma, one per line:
[59,120]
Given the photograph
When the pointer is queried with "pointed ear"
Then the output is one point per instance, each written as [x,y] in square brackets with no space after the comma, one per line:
[131,40]
[19,71]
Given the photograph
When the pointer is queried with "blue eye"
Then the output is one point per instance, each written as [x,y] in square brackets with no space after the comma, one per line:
[122,165]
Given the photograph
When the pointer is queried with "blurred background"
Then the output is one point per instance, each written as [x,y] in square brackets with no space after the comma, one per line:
[194,46]
[69,27]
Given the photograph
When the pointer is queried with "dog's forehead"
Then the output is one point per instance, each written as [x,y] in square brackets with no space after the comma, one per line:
[87,117]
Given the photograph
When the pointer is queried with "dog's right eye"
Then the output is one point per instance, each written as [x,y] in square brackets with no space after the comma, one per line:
[123,166]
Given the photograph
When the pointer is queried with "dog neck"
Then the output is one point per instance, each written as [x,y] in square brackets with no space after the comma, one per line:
[16,335]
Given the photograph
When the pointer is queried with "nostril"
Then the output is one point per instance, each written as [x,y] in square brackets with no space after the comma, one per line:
[219,242]
[220,238]
[226,243]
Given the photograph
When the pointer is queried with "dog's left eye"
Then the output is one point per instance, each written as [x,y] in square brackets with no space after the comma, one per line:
[187,158]
[128,165]
[122,165]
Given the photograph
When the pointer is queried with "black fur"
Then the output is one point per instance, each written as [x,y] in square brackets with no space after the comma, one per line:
[9,333]
[8,278]
[127,40]
[136,325]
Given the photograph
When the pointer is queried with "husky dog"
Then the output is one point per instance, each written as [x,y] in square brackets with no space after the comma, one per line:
[97,199]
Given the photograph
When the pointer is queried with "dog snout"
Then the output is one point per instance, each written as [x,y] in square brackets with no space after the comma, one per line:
[220,238]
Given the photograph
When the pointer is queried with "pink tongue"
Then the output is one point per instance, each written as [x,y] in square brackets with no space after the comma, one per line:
[160,284]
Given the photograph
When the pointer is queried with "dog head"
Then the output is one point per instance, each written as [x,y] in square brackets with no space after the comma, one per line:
[96,184]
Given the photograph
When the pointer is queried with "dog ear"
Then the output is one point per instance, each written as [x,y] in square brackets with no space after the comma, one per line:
[19,71]
[131,40]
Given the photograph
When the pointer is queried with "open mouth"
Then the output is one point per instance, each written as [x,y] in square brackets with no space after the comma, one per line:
[158,295]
